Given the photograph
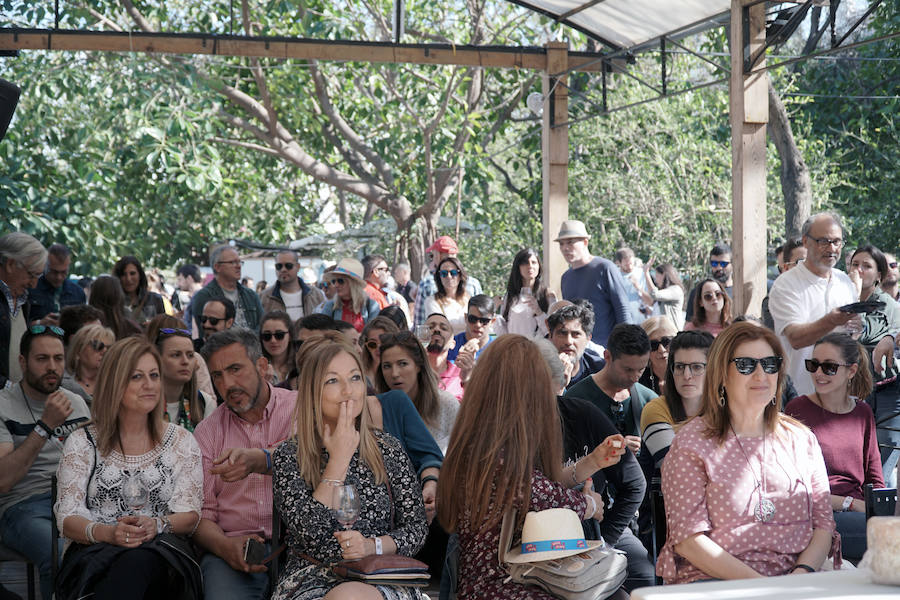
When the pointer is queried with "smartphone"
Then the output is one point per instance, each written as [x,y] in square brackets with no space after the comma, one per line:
[254,552]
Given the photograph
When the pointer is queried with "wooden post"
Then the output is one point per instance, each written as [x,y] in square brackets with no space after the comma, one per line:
[749,116]
[555,159]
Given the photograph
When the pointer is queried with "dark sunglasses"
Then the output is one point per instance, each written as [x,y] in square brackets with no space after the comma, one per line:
[719,263]
[338,281]
[372,344]
[711,296]
[52,329]
[483,320]
[450,273]
[828,367]
[212,320]
[165,331]
[267,336]
[892,265]
[664,341]
[98,346]
[746,365]
[280,266]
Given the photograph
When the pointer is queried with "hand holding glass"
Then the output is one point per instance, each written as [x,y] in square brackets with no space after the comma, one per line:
[346,505]
[135,492]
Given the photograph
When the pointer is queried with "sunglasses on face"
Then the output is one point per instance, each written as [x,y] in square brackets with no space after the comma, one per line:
[473,319]
[664,341]
[828,367]
[98,346]
[212,320]
[712,296]
[372,345]
[450,273]
[692,368]
[892,265]
[286,266]
[39,329]
[720,264]
[278,335]
[746,365]
[338,281]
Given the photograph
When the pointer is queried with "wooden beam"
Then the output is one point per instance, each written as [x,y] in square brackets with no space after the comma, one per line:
[555,159]
[288,48]
[749,116]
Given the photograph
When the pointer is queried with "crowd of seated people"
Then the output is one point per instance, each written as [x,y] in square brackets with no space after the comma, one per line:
[176,427]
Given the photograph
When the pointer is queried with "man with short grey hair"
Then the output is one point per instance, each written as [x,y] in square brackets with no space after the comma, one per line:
[290,293]
[226,264]
[236,442]
[22,261]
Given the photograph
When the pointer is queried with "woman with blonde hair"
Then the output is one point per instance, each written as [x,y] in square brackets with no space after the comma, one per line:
[661,331]
[83,357]
[745,486]
[334,443]
[350,302]
[126,483]
[501,456]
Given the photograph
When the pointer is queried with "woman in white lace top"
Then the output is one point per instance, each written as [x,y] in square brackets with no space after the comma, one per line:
[127,483]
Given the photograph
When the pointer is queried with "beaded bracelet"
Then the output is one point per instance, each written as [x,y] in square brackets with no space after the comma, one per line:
[574,476]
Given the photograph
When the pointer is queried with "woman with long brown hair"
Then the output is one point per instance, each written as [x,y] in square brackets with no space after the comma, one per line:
[451,298]
[141,303]
[712,308]
[334,443]
[107,296]
[125,482]
[503,455]
[745,486]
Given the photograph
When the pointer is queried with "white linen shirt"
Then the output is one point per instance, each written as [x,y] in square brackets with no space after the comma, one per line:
[800,296]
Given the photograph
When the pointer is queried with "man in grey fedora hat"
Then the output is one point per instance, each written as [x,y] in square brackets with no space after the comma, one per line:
[593,278]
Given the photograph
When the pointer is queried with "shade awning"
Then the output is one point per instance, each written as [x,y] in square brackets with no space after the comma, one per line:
[631,24]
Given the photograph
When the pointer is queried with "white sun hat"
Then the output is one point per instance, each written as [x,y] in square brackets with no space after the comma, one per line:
[551,534]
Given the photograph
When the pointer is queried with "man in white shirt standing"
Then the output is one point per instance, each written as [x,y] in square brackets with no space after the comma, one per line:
[290,293]
[805,301]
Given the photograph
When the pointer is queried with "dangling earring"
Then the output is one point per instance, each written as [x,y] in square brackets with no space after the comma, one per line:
[773,400]
[721,395]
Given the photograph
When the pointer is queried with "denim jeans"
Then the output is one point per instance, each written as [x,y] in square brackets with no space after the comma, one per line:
[25,527]
[221,582]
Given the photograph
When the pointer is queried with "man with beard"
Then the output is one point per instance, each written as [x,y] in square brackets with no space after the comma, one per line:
[440,343]
[805,300]
[722,270]
[470,343]
[569,331]
[236,442]
[218,315]
[37,416]
[290,293]
[889,285]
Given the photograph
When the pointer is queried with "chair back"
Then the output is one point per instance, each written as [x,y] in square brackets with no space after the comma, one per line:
[657,516]
[880,502]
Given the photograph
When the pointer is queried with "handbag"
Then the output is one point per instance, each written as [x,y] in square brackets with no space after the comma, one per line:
[593,574]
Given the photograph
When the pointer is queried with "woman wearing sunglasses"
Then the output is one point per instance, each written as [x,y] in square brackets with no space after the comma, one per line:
[712,308]
[845,427]
[745,486]
[350,302]
[451,298]
[83,357]
[370,343]
[660,330]
[186,404]
[276,335]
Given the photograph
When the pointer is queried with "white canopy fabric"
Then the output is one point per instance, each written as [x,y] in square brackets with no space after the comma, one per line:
[629,24]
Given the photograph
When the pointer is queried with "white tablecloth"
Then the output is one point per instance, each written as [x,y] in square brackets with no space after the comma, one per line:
[847,585]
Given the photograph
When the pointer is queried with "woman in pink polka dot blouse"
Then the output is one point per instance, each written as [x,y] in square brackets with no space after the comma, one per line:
[745,487]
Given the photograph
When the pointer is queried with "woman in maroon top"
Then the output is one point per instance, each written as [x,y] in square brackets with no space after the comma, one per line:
[845,428]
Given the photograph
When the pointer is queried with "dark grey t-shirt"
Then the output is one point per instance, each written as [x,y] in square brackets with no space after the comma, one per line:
[19,416]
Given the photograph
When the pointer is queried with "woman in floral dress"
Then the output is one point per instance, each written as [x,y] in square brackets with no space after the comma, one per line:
[334,443]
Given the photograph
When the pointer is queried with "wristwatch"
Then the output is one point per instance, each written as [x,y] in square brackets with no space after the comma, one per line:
[163,525]
[848,502]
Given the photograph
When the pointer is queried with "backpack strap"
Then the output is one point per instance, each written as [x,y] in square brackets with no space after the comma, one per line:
[90,439]
[506,534]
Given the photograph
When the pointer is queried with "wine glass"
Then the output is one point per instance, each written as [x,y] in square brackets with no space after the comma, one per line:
[346,505]
[423,332]
[135,492]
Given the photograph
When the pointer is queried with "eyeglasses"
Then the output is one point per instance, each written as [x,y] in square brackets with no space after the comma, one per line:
[98,346]
[212,320]
[692,368]
[664,341]
[825,242]
[450,273]
[52,329]
[828,367]
[711,296]
[719,264]
[746,365]
[285,266]
[892,265]
[372,345]
[267,336]
[32,274]
[473,319]
[234,263]
[338,281]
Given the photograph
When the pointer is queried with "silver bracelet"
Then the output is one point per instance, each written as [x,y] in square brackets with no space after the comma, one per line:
[593,506]
[574,477]
[333,481]
[89,532]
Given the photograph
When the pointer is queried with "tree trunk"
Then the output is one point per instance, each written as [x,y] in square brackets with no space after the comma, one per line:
[795,182]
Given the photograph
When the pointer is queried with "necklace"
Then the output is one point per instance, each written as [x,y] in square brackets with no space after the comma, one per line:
[765,509]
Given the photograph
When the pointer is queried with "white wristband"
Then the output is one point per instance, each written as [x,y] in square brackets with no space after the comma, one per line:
[379,550]
[848,502]
[593,511]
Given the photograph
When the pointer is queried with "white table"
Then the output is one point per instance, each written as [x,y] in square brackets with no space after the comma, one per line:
[847,585]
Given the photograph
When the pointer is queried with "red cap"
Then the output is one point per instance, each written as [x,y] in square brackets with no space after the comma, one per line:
[444,244]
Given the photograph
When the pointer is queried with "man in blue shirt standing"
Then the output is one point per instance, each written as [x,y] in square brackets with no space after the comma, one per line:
[54,289]
[593,278]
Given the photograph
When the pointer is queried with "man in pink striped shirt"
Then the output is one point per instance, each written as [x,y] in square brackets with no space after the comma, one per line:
[236,441]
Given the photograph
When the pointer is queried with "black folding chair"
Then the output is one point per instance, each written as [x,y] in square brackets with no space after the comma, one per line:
[880,502]
[657,516]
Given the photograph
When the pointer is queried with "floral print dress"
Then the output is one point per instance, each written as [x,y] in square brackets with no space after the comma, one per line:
[311,524]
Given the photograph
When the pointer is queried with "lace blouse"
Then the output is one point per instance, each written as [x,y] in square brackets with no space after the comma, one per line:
[172,472]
